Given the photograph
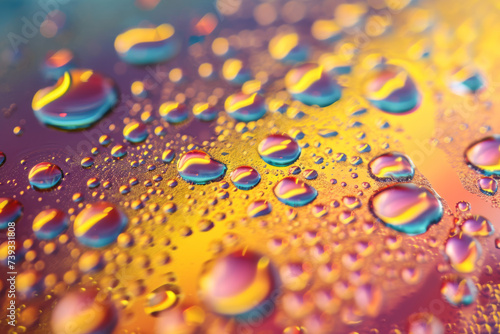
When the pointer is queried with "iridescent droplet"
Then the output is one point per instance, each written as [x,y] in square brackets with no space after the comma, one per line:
[467,80]
[235,72]
[205,111]
[10,211]
[239,284]
[391,89]
[484,155]
[488,185]
[407,208]
[286,48]
[245,107]
[45,175]
[56,63]
[3,158]
[199,167]
[162,299]
[477,226]
[245,177]
[294,192]
[118,151]
[141,46]
[459,291]
[391,166]
[87,162]
[463,252]
[425,323]
[135,132]
[79,98]
[49,223]
[99,224]
[259,208]
[279,150]
[167,156]
[174,112]
[309,84]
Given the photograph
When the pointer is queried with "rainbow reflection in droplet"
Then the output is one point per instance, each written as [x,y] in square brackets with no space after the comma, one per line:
[484,155]
[45,175]
[245,177]
[135,132]
[488,185]
[198,167]
[463,252]
[205,111]
[477,226]
[245,107]
[459,291]
[259,208]
[99,224]
[161,299]
[294,192]
[279,150]
[467,80]
[49,223]
[407,208]
[391,166]
[174,112]
[10,211]
[78,99]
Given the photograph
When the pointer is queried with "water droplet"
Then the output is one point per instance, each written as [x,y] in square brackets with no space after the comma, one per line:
[167,156]
[459,291]
[235,72]
[391,89]
[286,47]
[87,162]
[3,158]
[45,175]
[118,151]
[279,150]
[49,223]
[309,84]
[78,99]
[238,284]
[259,208]
[484,155]
[245,107]
[56,63]
[245,177]
[477,226]
[463,252]
[391,166]
[99,224]
[488,185]
[198,167]
[205,111]
[141,46]
[294,192]
[467,80]
[10,211]
[425,323]
[161,299]
[135,132]
[174,112]
[407,208]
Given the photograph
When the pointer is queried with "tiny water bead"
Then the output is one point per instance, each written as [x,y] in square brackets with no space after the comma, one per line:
[162,299]
[80,98]
[87,162]
[279,150]
[463,252]
[84,312]
[99,224]
[174,112]
[147,45]
[407,208]
[259,208]
[391,166]
[484,155]
[49,223]
[467,80]
[135,132]
[294,192]
[205,111]
[239,284]
[199,167]
[245,177]
[10,211]
[391,89]
[459,291]
[488,185]
[245,107]
[477,226]
[45,175]
[168,155]
[311,85]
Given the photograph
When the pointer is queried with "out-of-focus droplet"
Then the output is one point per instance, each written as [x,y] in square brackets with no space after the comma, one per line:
[245,177]
[45,175]
[484,155]
[10,211]
[279,150]
[135,132]
[391,166]
[99,224]
[286,47]
[425,323]
[56,63]
[391,89]
[205,111]
[142,46]
[477,226]
[459,291]
[239,284]
[310,84]
[294,192]
[245,107]
[463,252]
[162,299]
[49,223]
[78,99]
[467,80]
[174,112]
[233,71]
[326,30]
[259,208]
[199,167]
[407,208]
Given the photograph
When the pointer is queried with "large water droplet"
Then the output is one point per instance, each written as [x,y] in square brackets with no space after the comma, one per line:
[294,192]
[407,208]
[49,223]
[463,252]
[199,167]
[78,99]
[245,177]
[391,89]
[99,224]
[477,226]
[10,211]
[238,284]
[391,166]
[309,84]
[484,155]
[45,175]
[279,150]
[245,107]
